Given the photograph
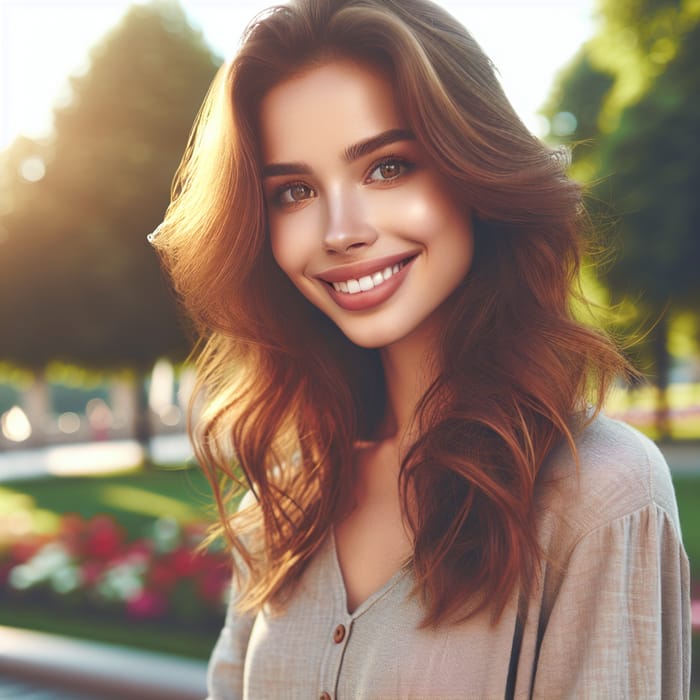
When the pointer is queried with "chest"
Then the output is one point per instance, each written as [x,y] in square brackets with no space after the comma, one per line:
[371,546]
[378,650]
[371,539]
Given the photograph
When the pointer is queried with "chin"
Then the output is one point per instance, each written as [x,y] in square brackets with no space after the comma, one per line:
[374,338]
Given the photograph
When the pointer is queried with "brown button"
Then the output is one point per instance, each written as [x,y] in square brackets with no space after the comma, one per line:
[339,634]
[325,696]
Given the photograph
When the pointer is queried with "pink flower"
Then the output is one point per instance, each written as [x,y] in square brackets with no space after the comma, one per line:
[147,605]
[695,614]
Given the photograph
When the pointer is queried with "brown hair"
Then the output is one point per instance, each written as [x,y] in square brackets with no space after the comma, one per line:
[288,394]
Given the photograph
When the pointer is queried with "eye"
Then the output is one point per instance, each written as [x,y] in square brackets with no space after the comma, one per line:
[290,194]
[388,170]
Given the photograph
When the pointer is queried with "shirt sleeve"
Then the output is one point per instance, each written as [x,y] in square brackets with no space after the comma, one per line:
[620,624]
[227,662]
[225,672]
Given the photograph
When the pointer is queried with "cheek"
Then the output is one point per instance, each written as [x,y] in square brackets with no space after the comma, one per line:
[429,210]
[287,249]
[441,223]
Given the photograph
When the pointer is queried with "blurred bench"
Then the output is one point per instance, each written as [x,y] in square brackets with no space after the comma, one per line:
[104,671]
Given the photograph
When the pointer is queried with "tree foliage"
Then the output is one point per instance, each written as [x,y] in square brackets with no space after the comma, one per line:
[638,40]
[643,161]
[78,280]
[574,107]
[654,161]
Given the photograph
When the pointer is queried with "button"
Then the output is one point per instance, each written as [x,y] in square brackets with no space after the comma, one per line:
[325,696]
[339,634]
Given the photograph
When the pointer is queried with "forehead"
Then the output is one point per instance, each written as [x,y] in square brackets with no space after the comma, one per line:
[333,105]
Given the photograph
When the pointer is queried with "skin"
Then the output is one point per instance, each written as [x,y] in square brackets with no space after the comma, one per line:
[333,206]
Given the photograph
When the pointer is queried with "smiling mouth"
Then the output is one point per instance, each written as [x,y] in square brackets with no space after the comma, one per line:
[369,282]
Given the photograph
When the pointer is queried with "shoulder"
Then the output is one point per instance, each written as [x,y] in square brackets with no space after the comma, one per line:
[619,472]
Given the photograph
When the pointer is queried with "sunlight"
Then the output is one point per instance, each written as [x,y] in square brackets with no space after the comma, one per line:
[20,517]
[146,502]
[37,59]
[73,460]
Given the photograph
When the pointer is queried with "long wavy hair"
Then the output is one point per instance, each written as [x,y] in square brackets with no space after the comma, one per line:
[283,390]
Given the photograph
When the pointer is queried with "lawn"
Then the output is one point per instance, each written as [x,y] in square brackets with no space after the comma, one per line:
[134,498]
[688,496]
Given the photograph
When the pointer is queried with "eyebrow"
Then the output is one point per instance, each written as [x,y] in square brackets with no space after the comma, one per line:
[358,150]
[350,154]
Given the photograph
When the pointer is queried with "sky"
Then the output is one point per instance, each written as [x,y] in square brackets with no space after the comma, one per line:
[44,41]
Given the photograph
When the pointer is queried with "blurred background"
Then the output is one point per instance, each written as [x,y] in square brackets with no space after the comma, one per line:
[101,504]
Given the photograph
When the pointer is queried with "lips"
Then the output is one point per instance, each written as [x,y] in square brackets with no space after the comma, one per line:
[364,285]
[343,273]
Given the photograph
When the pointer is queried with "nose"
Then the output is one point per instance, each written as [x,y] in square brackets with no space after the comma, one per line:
[348,227]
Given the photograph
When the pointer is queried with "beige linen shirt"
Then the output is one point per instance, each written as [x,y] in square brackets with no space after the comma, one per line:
[609,617]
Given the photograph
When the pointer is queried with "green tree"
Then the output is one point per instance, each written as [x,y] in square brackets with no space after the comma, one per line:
[82,283]
[654,160]
[642,160]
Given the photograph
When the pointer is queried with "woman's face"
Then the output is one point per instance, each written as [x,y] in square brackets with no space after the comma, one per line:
[359,217]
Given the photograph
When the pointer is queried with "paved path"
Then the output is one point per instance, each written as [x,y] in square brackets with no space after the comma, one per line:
[683,458]
[89,458]
[37,666]
[12,688]
[102,457]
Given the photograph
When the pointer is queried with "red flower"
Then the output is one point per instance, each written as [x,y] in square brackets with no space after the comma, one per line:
[183,579]
[162,577]
[213,583]
[147,605]
[91,572]
[104,538]
[185,562]
[72,532]
[139,548]
[5,568]
[24,549]
[71,525]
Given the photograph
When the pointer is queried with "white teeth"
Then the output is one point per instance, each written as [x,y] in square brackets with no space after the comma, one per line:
[364,284]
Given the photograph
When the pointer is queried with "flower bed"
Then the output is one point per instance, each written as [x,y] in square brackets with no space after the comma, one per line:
[91,565]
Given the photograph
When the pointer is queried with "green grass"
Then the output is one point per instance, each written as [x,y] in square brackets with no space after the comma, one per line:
[688,497]
[168,639]
[135,499]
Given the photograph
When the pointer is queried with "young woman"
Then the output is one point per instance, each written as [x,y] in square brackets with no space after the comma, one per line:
[382,260]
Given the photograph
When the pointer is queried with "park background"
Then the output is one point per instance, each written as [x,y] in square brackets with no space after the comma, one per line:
[94,381]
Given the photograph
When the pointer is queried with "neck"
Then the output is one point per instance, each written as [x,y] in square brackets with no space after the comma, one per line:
[409,369]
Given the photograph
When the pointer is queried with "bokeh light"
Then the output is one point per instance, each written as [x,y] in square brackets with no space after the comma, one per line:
[15,425]
[32,169]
